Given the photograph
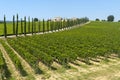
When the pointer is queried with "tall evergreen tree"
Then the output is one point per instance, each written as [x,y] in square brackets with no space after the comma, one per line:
[32,25]
[39,25]
[5,27]
[50,25]
[21,26]
[25,25]
[54,25]
[13,24]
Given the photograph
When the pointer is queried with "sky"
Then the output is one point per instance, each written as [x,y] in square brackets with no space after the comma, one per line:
[60,8]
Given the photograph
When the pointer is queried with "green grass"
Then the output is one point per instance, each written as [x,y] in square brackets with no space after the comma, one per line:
[10,28]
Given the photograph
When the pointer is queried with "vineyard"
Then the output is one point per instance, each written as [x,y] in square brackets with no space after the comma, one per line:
[4,72]
[93,41]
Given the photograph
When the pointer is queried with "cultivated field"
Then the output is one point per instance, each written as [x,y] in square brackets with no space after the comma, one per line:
[89,52]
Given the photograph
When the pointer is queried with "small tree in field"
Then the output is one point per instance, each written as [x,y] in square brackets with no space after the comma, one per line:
[110,18]
[35,19]
[13,24]
[25,25]
[5,27]
[97,19]
[32,25]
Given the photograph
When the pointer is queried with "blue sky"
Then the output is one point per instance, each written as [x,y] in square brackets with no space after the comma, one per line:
[65,8]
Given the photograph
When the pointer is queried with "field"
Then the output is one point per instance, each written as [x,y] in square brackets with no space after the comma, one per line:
[10,27]
[80,53]
[25,27]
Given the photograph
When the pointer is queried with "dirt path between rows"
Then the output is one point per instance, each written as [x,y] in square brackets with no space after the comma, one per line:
[10,64]
[25,65]
[101,71]
[97,71]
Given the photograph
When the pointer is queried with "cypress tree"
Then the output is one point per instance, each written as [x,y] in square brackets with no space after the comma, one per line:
[43,26]
[13,24]
[21,26]
[17,25]
[25,25]
[29,24]
[32,25]
[5,27]
[50,26]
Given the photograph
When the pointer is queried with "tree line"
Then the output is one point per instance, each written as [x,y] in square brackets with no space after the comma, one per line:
[110,18]
[34,25]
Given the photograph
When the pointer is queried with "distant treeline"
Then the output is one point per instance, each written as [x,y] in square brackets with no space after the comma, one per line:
[34,25]
[1,21]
